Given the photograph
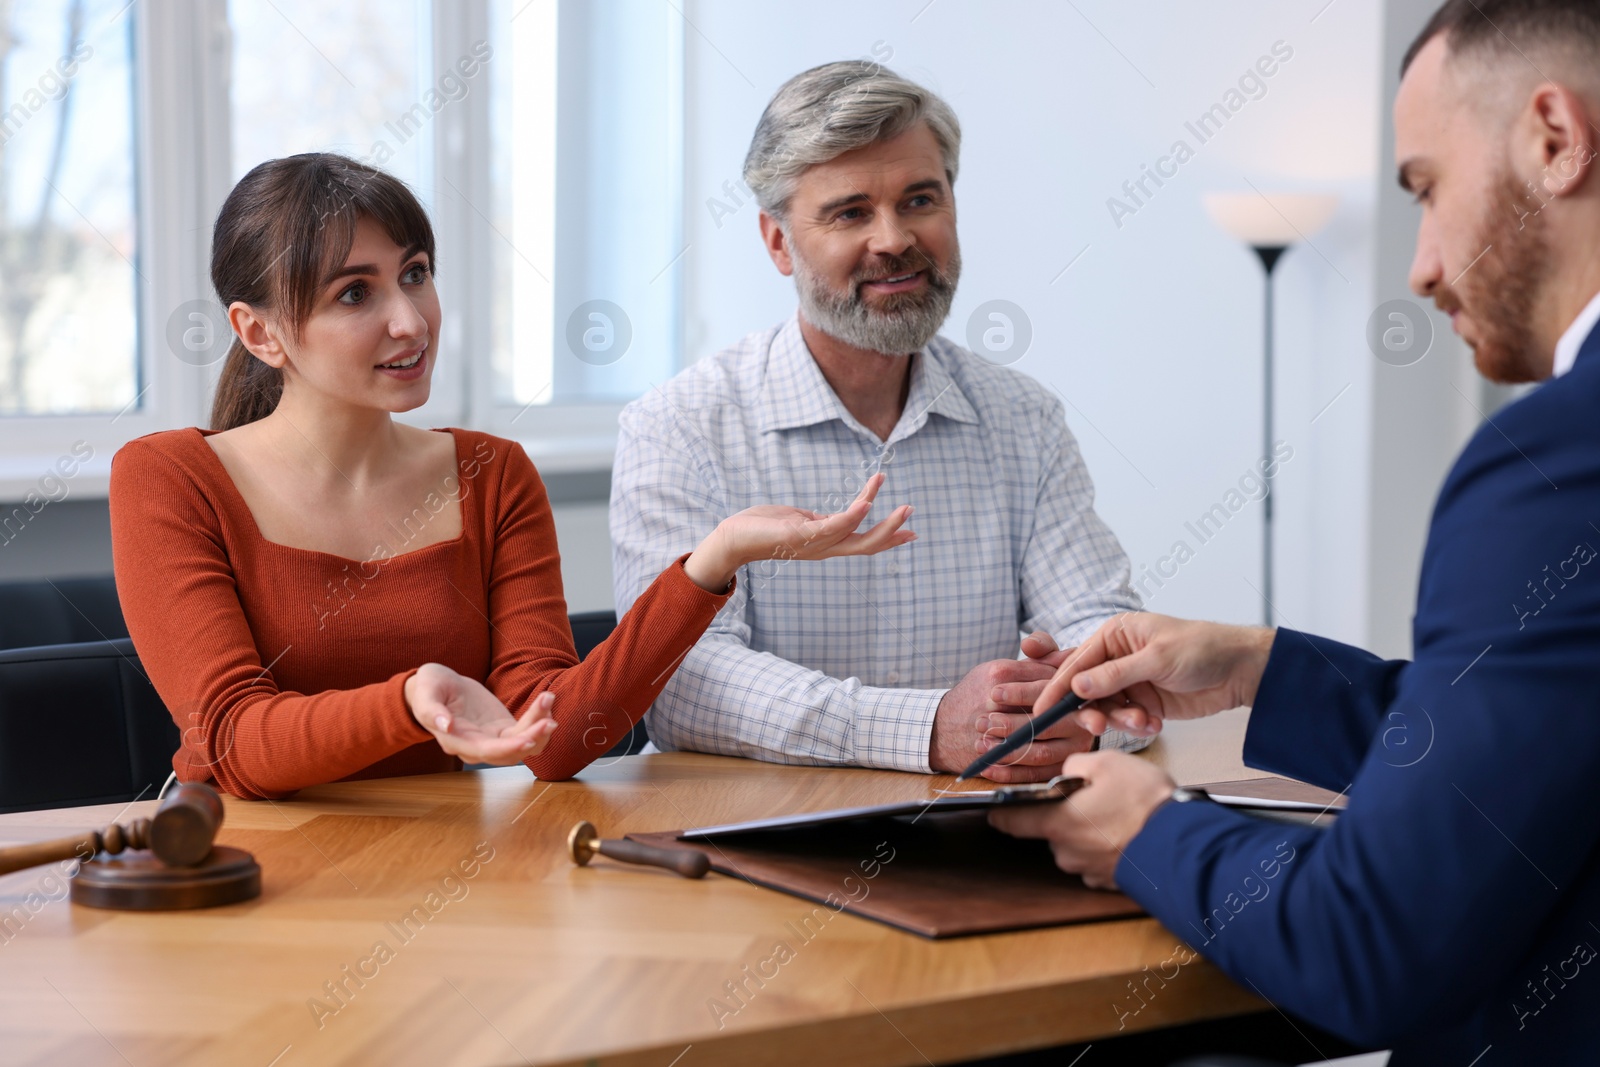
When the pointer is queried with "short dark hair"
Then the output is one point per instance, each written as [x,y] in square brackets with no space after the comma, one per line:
[1510,26]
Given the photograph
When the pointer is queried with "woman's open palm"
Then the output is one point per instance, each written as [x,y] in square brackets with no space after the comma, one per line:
[775,531]
[470,722]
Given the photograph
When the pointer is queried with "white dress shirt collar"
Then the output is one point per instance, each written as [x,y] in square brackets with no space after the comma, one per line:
[1577,333]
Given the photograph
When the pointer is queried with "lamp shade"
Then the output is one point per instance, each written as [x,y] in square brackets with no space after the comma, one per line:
[1261,220]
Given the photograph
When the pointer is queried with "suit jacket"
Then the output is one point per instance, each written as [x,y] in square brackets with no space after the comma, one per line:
[1453,911]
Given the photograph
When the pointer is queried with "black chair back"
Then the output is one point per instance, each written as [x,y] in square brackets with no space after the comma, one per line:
[59,611]
[80,724]
[589,628]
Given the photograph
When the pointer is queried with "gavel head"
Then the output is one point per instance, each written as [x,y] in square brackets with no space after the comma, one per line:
[185,825]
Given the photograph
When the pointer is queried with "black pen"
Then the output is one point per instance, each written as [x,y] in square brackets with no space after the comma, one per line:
[1023,735]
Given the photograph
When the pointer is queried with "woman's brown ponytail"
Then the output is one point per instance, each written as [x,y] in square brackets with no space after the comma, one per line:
[247,390]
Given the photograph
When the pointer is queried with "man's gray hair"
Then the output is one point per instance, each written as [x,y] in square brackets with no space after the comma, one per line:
[833,109]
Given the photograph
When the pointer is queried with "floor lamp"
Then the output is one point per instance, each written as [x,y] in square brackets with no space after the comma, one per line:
[1269,225]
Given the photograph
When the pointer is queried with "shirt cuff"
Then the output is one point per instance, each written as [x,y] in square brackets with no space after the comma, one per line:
[1118,741]
[894,728]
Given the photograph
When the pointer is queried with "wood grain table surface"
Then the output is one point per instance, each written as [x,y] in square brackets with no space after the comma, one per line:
[437,920]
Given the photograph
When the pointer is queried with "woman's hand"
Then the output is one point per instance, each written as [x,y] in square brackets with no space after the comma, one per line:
[772,531]
[470,722]
[1140,669]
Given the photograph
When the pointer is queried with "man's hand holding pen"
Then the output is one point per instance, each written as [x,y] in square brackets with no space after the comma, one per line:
[1134,673]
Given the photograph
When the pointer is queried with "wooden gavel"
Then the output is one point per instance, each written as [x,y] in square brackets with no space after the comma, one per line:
[584,843]
[184,868]
[180,834]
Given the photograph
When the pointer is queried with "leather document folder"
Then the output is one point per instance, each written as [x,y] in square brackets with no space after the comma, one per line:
[937,869]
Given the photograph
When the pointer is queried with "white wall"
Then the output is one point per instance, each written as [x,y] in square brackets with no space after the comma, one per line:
[1154,333]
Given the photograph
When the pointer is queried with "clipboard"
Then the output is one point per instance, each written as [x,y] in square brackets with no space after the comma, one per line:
[1057,788]
[1264,797]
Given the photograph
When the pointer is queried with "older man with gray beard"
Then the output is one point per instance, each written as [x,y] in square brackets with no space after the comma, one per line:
[908,660]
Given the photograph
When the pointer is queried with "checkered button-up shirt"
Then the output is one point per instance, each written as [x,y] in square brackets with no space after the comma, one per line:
[844,661]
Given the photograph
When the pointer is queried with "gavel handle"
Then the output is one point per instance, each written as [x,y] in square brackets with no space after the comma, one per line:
[21,857]
[112,839]
[690,864]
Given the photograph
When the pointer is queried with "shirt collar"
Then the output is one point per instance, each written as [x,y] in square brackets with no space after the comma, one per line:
[1572,341]
[933,391]
[794,392]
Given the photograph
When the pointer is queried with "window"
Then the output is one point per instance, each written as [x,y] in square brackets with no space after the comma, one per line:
[553,188]
[309,76]
[585,161]
[68,247]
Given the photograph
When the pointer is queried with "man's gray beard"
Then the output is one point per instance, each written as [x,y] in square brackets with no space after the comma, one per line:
[896,331]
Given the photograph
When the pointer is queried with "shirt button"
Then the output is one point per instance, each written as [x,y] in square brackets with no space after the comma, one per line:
[894,568]
[893,677]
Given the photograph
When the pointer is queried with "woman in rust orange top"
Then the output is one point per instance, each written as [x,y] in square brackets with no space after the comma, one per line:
[319,592]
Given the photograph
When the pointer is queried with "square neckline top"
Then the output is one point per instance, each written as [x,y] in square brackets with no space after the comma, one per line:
[238,502]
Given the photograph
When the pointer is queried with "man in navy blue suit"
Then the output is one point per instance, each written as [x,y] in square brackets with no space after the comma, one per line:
[1453,911]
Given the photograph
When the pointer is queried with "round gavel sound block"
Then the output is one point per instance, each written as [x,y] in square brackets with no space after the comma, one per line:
[181,869]
[141,882]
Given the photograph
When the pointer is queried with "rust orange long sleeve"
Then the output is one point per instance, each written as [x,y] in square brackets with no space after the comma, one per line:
[284,667]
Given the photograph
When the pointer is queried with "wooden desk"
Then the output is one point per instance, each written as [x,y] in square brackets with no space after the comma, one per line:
[532,960]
